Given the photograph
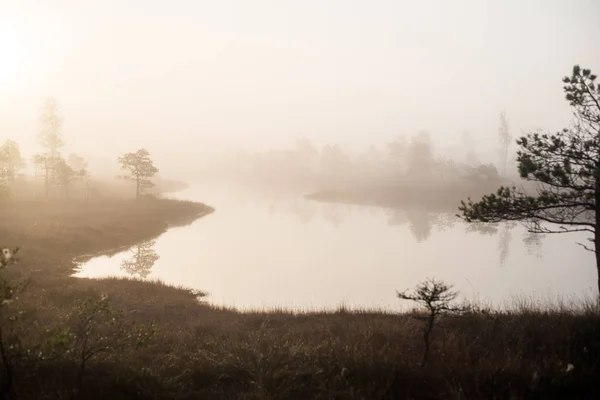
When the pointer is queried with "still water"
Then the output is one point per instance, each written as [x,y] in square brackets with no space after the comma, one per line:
[276,249]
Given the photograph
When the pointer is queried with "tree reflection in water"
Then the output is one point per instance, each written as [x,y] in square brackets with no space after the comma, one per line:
[504,240]
[533,244]
[421,222]
[142,260]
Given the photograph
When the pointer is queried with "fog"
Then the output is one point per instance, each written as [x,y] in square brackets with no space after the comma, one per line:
[186,79]
[397,105]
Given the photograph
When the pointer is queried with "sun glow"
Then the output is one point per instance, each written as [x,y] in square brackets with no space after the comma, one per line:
[15,53]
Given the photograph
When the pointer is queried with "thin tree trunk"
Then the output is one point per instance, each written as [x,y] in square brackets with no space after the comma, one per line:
[597,246]
[597,226]
[426,334]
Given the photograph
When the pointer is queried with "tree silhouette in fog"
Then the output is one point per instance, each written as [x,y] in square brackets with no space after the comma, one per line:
[420,156]
[142,259]
[50,135]
[10,159]
[505,139]
[46,163]
[65,175]
[141,168]
[334,164]
[77,162]
[565,166]
[50,138]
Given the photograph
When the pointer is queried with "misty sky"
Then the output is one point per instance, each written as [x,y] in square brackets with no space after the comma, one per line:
[182,76]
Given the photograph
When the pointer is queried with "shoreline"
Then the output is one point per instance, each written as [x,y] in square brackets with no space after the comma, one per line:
[182,221]
[203,350]
[56,238]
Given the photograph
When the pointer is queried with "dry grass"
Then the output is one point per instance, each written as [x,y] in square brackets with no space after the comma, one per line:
[203,352]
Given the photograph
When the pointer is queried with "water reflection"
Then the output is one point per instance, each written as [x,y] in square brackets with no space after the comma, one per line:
[302,209]
[420,223]
[334,214]
[396,217]
[141,261]
[259,250]
[533,244]
[504,241]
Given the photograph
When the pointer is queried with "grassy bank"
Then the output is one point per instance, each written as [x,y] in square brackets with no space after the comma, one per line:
[202,352]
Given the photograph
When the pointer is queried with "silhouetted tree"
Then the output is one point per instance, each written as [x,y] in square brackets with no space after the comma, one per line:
[397,155]
[142,260]
[334,161]
[46,163]
[141,169]
[3,174]
[505,139]
[76,162]
[50,136]
[420,156]
[65,174]
[566,168]
[10,158]
[2,181]
[369,165]
[437,297]
[308,154]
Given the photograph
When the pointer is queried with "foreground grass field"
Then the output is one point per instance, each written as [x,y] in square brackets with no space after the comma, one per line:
[194,351]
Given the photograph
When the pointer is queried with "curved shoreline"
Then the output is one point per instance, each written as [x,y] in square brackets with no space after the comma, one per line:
[207,351]
[82,259]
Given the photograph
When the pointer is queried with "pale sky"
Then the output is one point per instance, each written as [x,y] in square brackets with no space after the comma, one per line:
[184,76]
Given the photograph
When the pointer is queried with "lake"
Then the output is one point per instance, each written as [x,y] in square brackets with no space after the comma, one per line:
[268,249]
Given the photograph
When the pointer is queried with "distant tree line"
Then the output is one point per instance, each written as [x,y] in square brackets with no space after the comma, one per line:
[405,161]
